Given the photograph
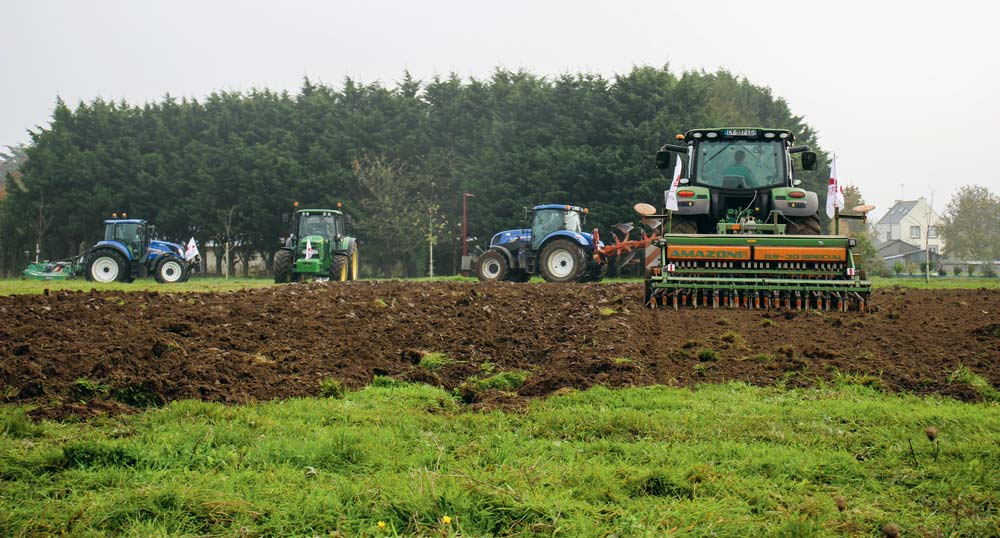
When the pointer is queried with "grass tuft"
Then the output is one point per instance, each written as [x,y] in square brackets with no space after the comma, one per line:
[332,388]
[435,360]
[964,375]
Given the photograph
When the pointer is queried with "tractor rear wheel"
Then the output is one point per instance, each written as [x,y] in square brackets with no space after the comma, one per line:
[684,225]
[282,266]
[492,267]
[170,270]
[106,266]
[563,260]
[804,226]
[338,268]
[352,263]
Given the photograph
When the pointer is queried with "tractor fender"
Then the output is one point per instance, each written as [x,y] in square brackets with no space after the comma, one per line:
[507,254]
[699,204]
[583,239]
[113,245]
[781,201]
[348,244]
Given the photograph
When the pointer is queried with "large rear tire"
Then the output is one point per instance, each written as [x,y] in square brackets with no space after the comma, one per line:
[563,260]
[106,266]
[170,270]
[338,268]
[282,266]
[352,263]
[492,267]
[804,226]
[684,225]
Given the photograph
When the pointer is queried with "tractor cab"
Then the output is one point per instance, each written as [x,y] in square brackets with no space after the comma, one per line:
[749,172]
[325,224]
[129,232]
[551,218]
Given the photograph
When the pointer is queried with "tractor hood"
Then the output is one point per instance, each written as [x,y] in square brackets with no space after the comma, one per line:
[511,236]
[165,247]
[523,235]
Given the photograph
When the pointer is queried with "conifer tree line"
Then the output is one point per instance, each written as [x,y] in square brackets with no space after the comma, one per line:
[398,157]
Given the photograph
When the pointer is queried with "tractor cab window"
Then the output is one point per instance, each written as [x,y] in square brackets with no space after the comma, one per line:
[126,233]
[740,164]
[552,220]
[319,224]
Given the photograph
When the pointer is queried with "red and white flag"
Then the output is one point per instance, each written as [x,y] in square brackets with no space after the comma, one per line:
[834,193]
[671,202]
[191,250]
[309,250]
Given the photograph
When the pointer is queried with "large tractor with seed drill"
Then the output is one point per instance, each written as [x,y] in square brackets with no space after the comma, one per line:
[744,232]
[317,248]
[130,250]
[555,246]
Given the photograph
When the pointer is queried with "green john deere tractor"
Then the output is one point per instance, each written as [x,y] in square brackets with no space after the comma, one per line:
[317,248]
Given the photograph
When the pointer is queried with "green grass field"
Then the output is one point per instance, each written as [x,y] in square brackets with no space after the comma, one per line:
[14,286]
[722,460]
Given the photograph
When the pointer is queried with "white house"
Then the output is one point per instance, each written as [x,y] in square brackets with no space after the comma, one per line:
[913,222]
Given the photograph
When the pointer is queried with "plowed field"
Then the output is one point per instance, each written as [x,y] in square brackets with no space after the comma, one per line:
[80,354]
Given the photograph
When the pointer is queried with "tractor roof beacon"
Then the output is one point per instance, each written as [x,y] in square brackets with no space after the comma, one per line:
[744,232]
[317,247]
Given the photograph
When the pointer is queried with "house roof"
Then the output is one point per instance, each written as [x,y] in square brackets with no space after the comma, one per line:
[898,211]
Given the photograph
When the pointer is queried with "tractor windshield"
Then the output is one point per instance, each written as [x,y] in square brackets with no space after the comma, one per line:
[322,224]
[740,164]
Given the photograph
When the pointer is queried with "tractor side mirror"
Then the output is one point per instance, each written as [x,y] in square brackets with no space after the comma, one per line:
[809,160]
[348,221]
[667,155]
[664,158]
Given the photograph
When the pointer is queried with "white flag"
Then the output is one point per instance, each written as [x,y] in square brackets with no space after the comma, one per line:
[834,193]
[672,193]
[191,251]
[309,250]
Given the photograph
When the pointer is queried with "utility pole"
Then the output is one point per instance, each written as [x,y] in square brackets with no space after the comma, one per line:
[229,228]
[465,228]
[927,243]
[430,239]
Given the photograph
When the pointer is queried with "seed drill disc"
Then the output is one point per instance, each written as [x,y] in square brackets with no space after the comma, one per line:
[644,209]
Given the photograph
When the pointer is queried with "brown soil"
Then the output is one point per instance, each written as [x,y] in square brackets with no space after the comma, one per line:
[84,354]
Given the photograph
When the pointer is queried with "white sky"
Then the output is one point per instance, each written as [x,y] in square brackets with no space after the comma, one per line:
[906,93]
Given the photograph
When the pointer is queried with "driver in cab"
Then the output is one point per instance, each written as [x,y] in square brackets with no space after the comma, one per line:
[732,175]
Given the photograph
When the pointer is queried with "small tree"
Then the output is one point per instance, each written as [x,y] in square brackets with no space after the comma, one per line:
[990,271]
[970,269]
[898,267]
[910,268]
[941,271]
[957,270]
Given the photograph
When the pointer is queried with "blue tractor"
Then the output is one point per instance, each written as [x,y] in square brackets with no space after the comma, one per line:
[129,251]
[555,246]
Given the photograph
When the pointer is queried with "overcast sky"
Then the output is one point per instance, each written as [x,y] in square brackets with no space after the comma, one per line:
[907,94]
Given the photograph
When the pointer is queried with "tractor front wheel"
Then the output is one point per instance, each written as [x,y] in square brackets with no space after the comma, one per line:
[170,270]
[492,267]
[106,266]
[338,268]
[563,260]
[683,225]
[282,266]
[804,226]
